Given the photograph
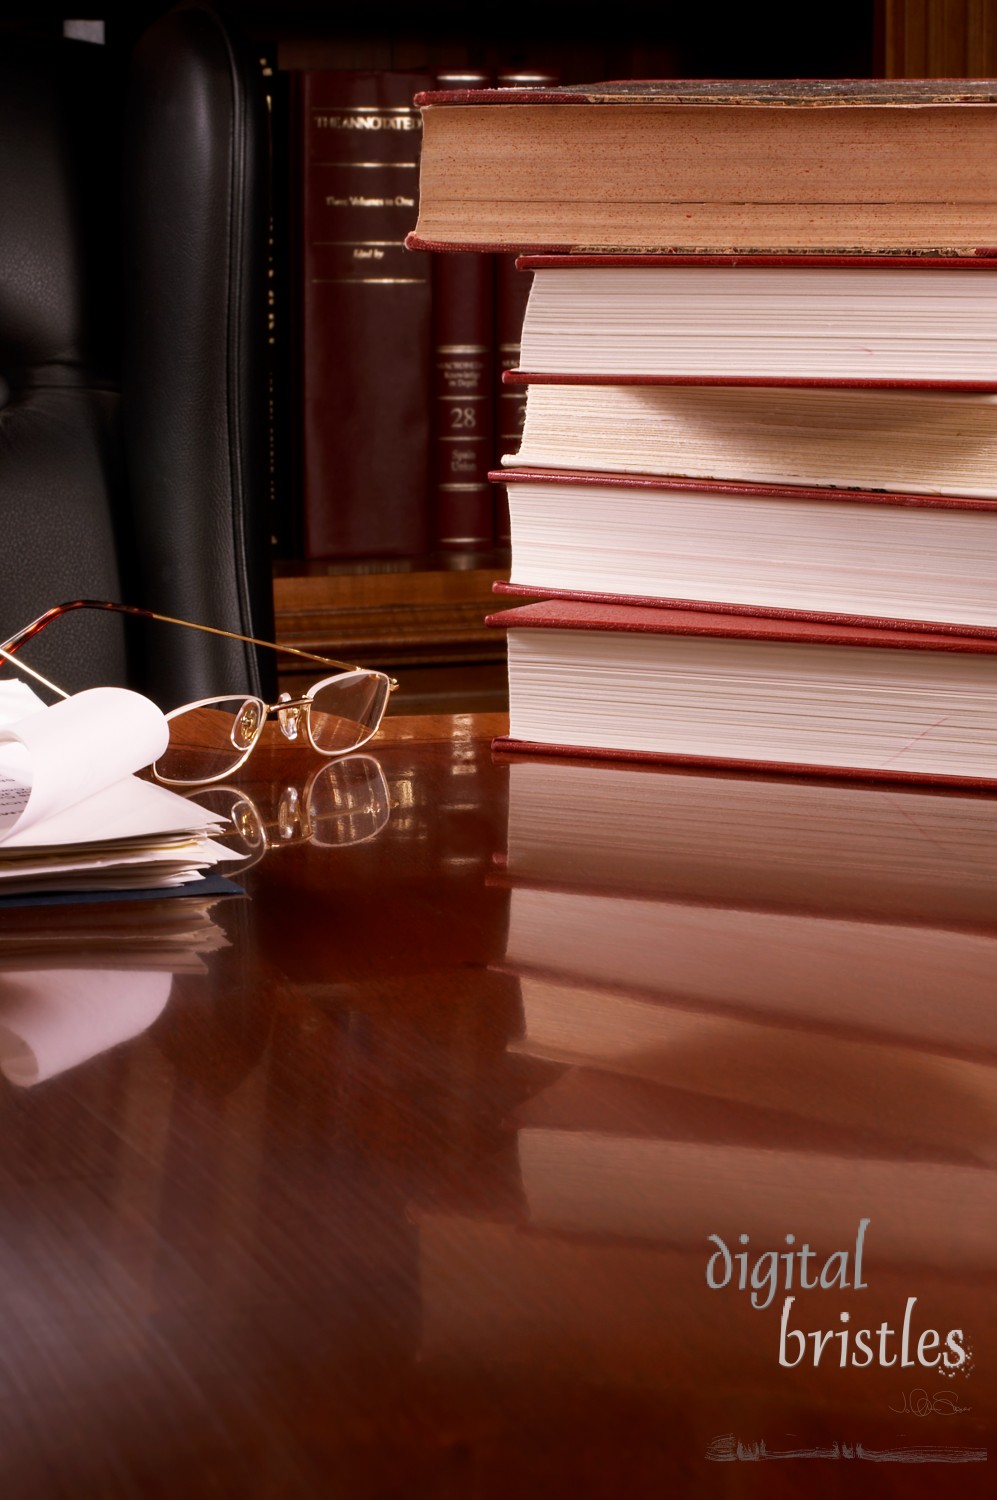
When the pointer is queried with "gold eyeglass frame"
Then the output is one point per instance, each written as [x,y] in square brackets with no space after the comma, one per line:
[287,709]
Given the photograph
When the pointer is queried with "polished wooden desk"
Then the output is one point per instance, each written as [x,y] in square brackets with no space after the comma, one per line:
[409,1189]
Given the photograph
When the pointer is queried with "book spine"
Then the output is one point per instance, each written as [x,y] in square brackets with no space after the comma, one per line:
[285,517]
[364,310]
[512,288]
[464,376]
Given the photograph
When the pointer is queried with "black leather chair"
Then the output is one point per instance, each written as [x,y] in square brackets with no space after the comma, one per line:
[133,401]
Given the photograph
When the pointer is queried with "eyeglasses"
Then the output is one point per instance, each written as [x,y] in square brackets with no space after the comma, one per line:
[212,738]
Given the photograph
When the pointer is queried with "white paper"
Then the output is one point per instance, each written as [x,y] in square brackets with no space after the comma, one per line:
[72,816]
[66,753]
[128,809]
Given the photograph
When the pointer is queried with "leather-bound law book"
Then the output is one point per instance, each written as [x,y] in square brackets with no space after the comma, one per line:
[363,313]
[622,681]
[464,376]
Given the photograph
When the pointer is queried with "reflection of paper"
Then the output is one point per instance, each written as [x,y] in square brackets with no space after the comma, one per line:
[55,1019]
[61,755]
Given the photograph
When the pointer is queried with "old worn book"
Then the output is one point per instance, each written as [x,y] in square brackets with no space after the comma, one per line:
[625,681]
[869,556]
[867,165]
[921,441]
[761,319]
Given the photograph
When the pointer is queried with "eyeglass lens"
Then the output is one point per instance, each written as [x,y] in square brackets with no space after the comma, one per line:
[210,739]
[346,710]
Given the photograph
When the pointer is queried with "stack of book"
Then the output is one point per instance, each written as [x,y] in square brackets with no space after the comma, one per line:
[755,489]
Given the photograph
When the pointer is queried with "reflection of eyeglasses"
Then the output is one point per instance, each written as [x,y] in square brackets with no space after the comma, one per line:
[212,738]
[345,802]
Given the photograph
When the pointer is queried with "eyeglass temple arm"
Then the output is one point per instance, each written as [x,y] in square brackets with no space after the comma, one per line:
[22,666]
[33,629]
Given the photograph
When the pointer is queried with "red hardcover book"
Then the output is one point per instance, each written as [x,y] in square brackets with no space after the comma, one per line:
[719,165]
[856,557]
[626,682]
[364,314]
[463,431]
[899,321]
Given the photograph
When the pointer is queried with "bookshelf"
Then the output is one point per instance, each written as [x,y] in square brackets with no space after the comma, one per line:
[425,618]
[425,615]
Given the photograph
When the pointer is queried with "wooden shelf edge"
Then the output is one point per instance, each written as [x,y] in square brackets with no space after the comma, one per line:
[430,617]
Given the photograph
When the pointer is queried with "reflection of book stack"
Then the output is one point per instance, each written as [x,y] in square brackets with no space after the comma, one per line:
[610,1155]
[804,948]
[866,915]
[830,848]
[902,983]
[600,1281]
[772,1006]
[601,1284]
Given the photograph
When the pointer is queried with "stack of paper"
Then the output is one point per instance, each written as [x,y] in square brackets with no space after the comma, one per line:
[74,816]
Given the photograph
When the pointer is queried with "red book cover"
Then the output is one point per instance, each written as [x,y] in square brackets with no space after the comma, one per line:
[745,492]
[569,615]
[364,316]
[922,738]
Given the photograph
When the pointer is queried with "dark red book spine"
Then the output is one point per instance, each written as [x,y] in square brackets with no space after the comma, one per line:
[464,382]
[364,311]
